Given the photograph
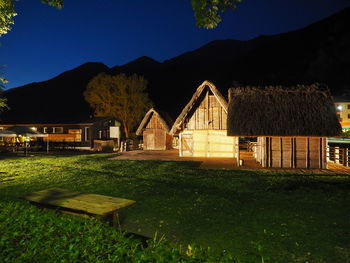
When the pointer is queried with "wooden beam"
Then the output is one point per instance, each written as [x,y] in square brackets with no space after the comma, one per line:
[307,154]
[281,149]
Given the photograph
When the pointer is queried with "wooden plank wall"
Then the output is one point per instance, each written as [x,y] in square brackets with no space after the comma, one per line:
[63,137]
[155,123]
[292,152]
[209,115]
[155,136]
[207,143]
[154,139]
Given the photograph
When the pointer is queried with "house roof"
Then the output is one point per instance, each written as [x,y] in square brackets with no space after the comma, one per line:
[90,121]
[186,110]
[282,111]
[26,131]
[163,117]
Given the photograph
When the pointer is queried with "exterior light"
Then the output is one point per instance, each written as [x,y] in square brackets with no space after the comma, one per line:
[34,128]
[339,107]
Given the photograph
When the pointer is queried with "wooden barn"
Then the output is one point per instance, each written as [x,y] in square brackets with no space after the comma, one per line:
[155,128]
[291,123]
[201,126]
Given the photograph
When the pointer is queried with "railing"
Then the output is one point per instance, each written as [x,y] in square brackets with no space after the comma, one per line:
[338,155]
[335,154]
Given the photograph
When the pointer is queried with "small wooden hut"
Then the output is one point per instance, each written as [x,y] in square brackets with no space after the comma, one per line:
[155,128]
[201,126]
[292,123]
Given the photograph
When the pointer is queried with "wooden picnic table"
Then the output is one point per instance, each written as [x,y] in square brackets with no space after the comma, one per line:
[80,203]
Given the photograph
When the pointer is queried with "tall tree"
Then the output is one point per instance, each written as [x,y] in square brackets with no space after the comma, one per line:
[120,96]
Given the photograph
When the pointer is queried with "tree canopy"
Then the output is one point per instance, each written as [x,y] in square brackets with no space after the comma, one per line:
[7,13]
[207,12]
[119,96]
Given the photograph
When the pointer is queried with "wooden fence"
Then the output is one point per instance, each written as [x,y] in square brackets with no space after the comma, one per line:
[338,155]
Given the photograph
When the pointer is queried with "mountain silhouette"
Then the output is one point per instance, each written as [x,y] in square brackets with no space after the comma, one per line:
[319,52]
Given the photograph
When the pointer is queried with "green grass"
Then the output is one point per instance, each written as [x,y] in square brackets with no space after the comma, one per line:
[282,217]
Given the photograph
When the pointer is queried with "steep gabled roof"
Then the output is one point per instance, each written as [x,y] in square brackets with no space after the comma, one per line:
[206,84]
[282,111]
[163,117]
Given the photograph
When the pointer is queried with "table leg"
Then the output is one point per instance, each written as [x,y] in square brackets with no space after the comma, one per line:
[115,219]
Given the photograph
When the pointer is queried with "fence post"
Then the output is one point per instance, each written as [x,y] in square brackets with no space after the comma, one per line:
[345,156]
[336,155]
[327,153]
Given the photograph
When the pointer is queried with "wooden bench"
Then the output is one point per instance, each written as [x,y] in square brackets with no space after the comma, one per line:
[80,203]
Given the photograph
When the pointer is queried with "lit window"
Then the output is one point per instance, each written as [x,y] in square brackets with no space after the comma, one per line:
[77,132]
[57,130]
[74,131]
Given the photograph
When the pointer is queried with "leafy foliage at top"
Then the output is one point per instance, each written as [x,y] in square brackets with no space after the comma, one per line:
[208,12]
[7,13]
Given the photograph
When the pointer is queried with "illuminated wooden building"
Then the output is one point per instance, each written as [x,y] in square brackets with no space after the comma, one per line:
[81,134]
[155,128]
[291,123]
[201,126]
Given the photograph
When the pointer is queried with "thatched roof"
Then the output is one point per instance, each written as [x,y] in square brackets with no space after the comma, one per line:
[205,85]
[163,117]
[282,111]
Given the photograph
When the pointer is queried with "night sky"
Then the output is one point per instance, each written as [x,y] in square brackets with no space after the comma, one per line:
[45,41]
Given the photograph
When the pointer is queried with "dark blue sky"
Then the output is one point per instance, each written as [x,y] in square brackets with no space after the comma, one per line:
[45,41]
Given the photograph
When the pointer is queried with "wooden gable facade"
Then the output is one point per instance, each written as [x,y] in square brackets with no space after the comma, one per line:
[202,125]
[154,129]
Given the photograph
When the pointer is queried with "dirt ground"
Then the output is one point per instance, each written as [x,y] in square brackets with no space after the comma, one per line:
[173,155]
[219,163]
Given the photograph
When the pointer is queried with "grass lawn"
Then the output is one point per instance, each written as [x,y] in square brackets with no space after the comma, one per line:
[282,217]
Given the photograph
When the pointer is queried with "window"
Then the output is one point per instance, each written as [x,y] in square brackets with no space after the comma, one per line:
[74,131]
[348,116]
[57,130]
[45,130]
[77,133]
[348,106]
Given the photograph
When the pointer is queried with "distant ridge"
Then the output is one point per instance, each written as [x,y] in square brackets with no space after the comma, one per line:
[319,52]
[58,99]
